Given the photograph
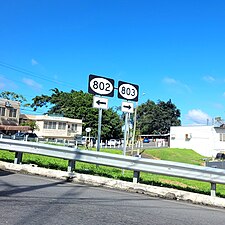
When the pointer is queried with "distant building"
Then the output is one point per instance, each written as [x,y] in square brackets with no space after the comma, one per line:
[55,127]
[9,117]
[205,140]
[155,137]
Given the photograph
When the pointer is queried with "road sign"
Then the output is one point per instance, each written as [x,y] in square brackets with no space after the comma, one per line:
[88,129]
[128,91]
[100,103]
[127,107]
[101,86]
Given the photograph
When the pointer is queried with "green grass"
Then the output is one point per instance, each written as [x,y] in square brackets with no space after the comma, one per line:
[177,155]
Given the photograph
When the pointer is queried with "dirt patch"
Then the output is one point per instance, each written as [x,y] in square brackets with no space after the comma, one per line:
[176,183]
[147,156]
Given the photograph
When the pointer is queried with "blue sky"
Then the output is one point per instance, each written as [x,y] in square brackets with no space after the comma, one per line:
[172,49]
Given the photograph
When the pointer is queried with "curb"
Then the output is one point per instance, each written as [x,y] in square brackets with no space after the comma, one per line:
[153,191]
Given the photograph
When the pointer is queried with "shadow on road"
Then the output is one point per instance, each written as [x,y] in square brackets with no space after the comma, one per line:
[5,173]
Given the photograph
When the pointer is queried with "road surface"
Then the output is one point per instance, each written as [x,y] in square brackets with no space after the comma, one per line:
[26,199]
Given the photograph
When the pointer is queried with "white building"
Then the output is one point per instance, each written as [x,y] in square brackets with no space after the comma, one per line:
[55,127]
[205,140]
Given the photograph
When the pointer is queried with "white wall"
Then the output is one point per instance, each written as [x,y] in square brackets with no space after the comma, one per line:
[205,140]
[54,133]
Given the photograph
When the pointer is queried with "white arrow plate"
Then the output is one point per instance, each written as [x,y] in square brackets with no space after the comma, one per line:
[127,107]
[100,103]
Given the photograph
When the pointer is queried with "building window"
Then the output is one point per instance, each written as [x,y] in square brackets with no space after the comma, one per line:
[74,127]
[49,125]
[12,112]
[2,111]
[62,126]
[222,137]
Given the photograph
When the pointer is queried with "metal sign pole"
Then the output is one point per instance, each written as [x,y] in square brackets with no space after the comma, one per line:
[99,128]
[134,128]
[125,134]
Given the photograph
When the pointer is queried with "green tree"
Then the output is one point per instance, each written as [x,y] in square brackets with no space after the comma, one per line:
[32,124]
[14,97]
[78,105]
[157,118]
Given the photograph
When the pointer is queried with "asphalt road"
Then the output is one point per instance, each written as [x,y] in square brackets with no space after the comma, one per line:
[26,199]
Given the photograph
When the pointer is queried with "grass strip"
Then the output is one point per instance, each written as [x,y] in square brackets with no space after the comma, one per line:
[178,155]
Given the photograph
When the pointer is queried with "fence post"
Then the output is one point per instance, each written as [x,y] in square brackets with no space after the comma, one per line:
[213,189]
[71,166]
[18,157]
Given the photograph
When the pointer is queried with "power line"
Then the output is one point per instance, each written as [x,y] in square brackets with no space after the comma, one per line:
[30,109]
[31,74]
[34,112]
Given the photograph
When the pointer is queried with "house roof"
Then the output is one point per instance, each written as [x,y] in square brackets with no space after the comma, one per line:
[49,118]
[19,128]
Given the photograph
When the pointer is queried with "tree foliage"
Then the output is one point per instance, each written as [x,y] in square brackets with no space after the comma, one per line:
[156,118]
[32,124]
[78,105]
[13,96]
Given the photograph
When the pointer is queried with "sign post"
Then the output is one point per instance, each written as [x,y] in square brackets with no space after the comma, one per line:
[104,87]
[125,134]
[88,130]
[99,128]
[128,92]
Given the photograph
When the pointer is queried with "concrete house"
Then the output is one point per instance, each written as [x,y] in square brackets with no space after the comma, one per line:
[55,127]
[9,117]
[205,140]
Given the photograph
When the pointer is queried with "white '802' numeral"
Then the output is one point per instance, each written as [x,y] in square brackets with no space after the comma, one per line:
[101,86]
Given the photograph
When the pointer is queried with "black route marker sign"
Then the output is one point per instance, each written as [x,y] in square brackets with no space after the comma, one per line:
[128,91]
[103,86]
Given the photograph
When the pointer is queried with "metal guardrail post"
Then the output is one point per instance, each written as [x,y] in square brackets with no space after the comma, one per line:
[213,189]
[136,177]
[71,166]
[18,158]
[206,174]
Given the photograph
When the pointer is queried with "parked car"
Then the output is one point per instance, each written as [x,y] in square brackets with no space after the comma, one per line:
[101,143]
[83,140]
[23,136]
[78,140]
[113,142]
[3,135]
[146,140]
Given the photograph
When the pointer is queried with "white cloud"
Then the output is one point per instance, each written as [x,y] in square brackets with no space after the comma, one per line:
[169,80]
[6,83]
[197,116]
[32,83]
[34,62]
[209,79]
[177,85]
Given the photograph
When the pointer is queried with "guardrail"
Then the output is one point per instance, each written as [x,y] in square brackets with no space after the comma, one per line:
[207,174]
